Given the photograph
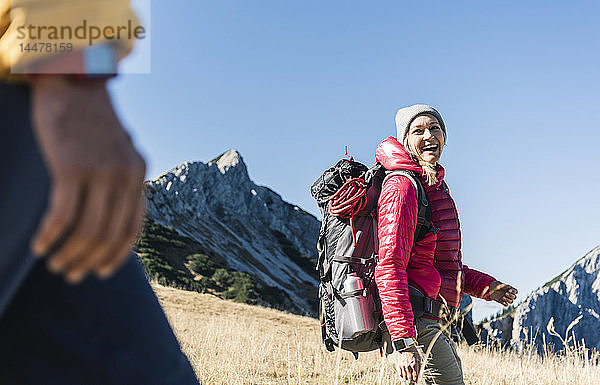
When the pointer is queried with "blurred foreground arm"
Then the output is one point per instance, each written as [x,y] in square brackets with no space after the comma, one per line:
[96,199]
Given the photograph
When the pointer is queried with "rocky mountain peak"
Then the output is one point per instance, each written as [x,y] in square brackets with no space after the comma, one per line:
[229,160]
[249,226]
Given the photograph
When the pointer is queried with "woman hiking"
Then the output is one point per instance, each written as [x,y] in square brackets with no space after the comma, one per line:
[431,269]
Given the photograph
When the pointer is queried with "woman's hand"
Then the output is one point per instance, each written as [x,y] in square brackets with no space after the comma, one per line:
[502,293]
[407,363]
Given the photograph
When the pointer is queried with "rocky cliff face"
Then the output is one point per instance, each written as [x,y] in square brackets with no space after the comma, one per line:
[575,294]
[498,329]
[251,227]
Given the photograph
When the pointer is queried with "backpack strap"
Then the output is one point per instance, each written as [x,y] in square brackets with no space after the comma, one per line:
[420,189]
[424,225]
[359,260]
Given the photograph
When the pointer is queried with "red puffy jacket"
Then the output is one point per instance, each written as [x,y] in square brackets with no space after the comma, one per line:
[433,264]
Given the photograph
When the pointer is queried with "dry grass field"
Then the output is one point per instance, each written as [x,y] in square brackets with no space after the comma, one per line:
[231,343]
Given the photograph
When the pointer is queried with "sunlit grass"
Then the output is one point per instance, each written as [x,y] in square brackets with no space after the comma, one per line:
[232,343]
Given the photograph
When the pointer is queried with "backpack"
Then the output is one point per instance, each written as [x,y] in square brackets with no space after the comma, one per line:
[350,308]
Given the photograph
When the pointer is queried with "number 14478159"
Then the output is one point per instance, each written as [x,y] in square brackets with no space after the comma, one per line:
[46,47]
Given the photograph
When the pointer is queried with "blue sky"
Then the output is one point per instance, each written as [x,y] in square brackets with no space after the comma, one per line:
[289,84]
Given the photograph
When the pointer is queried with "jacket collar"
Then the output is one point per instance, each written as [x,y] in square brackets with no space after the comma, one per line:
[393,156]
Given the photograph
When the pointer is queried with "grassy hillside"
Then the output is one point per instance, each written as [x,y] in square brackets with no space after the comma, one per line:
[233,343]
[178,261]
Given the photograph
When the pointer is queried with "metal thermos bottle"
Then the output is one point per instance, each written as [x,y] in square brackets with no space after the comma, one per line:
[353,282]
[358,309]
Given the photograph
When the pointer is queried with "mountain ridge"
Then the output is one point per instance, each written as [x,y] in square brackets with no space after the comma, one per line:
[249,226]
[571,295]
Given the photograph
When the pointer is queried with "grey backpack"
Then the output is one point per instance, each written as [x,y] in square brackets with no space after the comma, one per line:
[350,308]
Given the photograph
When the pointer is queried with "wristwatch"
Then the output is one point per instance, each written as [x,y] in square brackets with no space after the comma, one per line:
[403,343]
[97,62]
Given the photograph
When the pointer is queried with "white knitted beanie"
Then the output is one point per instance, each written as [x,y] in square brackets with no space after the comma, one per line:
[405,116]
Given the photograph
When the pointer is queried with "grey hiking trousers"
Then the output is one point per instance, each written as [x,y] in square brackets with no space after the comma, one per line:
[443,363]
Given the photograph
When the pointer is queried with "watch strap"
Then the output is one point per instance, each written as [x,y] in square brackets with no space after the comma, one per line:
[97,62]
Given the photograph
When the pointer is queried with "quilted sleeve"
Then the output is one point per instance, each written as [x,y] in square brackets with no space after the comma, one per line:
[397,219]
[476,282]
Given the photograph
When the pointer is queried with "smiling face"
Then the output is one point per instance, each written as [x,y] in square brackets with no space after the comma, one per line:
[425,138]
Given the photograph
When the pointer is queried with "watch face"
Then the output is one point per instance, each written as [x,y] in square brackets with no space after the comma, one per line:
[403,343]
